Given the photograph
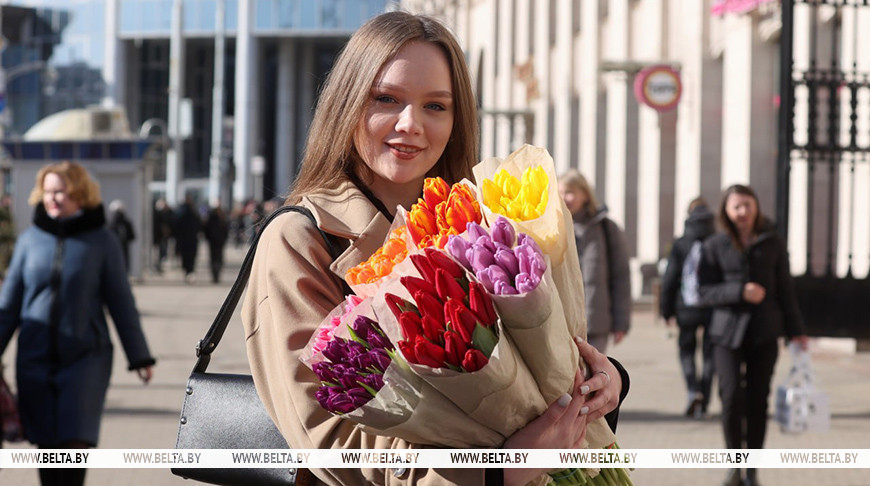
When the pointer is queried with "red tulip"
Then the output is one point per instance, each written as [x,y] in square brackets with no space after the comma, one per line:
[481,304]
[411,325]
[447,287]
[428,353]
[407,349]
[424,265]
[461,320]
[439,259]
[433,328]
[454,348]
[474,360]
[414,285]
[429,305]
[398,305]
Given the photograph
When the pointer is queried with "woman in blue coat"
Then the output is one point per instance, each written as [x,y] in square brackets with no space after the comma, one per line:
[64,270]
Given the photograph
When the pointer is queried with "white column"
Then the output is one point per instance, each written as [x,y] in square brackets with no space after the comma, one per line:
[174,156]
[561,75]
[246,85]
[521,39]
[647,38]
[285,126]
[736,97]
[217,118]
[113,59]
[542,71]
[484,45]
[588,60]
[617,106]
[687,175]
[797,204]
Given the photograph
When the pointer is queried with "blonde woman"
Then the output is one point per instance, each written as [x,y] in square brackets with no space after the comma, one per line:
[65,270]
[603,260]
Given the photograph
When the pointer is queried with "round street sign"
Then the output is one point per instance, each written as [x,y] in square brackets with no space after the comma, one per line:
[658,87]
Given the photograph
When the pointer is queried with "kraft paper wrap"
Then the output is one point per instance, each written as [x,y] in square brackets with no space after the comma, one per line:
[536,323]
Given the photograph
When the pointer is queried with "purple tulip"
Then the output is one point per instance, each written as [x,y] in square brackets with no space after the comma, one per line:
[374,360]
[359,396]
[530,261]
[524,239]
[491,275]
[323,394]
[485,241]
[324,372]
[334,350]
[504,288]
[475,231]
[379,341]
[507,260]
[457,247]
[480,257]
[349,378]
[503,232]
[527,282]
[375,381]
[340,403]
[363,327]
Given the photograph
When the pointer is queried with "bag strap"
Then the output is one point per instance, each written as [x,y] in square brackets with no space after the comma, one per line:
[209,343]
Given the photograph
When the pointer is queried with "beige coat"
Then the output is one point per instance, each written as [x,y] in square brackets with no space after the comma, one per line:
[294,284]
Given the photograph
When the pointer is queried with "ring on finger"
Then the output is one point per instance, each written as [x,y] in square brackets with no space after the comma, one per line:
[605,374]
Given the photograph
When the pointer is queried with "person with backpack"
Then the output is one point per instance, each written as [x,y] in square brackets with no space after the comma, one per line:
[603,255]
[680,304]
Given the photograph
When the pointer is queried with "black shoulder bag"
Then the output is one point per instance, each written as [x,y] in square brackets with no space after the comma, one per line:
[223,411]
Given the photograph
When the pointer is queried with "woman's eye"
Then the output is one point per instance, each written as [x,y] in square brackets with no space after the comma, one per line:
[436,107]
[385,99]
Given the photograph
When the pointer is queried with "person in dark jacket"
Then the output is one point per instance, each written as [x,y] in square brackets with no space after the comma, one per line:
[603,257]
[217,230]
[162,231]
[187,227]
[745,276]
[121,225]
[66,268]
[690,317]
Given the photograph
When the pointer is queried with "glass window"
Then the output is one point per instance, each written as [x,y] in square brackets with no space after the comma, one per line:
[263,19]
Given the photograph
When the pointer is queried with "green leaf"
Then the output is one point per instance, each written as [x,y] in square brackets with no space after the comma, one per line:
[367,388]
[484,340]
[355,337]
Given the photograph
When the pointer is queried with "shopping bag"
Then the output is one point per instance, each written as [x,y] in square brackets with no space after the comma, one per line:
[801,406]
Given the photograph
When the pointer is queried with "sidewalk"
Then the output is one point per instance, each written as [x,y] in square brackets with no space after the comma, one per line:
[175,315]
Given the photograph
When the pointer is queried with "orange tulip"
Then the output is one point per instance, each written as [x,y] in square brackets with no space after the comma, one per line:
[381,263]
[435,190]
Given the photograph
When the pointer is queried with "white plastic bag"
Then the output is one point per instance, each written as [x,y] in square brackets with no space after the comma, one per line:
[800,405]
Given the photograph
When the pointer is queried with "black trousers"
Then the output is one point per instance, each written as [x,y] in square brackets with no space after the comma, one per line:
[688,341]
[744,385]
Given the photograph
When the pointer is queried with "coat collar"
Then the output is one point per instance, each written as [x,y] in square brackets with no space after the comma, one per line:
[89,219]
[347,213]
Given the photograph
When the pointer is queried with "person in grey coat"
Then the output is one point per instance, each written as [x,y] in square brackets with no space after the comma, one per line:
[65,269]
[744,275]
[603,261]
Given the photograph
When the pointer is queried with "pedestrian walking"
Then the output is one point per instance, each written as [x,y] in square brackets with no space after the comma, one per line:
[122,227]
[163,220]
[745,276]
[680,305]
[65,270]
[603,255]
[217,230]
[397,107]
[188,225]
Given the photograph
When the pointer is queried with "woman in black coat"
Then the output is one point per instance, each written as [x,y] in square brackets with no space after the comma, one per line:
[745,276]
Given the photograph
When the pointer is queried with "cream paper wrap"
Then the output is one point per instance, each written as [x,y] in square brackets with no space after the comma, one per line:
[502,396]
[407,407]
[554,233]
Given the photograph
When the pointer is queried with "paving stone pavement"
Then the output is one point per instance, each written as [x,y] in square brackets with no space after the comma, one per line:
[176,314]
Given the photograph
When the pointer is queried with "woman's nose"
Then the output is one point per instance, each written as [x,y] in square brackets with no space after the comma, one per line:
[408,121]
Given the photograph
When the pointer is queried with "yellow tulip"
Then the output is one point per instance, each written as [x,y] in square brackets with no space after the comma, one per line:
[519,199]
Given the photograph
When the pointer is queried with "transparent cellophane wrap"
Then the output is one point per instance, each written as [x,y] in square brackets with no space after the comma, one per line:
[554,233]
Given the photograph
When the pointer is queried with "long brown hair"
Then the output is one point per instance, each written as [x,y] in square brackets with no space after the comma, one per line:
[80,187]
[728,225]
[330,153]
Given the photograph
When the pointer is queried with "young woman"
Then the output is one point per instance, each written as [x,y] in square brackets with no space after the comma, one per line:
[396,108]
[745,276]
[603,260]
[65,269]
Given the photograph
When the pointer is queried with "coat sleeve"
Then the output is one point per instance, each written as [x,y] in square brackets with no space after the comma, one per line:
[12,294]
[290,292]
[714,290]
[620,280]
[671,281]
[794,325]
[118,298]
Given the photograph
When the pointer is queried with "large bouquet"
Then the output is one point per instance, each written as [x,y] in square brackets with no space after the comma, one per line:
[462,328]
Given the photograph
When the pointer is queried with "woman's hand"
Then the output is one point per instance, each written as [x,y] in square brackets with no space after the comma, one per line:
[145,374]
[561,426]
[803,341]
[753,293]
[604,384]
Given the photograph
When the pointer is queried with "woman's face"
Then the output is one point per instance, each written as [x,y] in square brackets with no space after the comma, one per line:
[56,200]
[409,117]
[575,199]
[742,211]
